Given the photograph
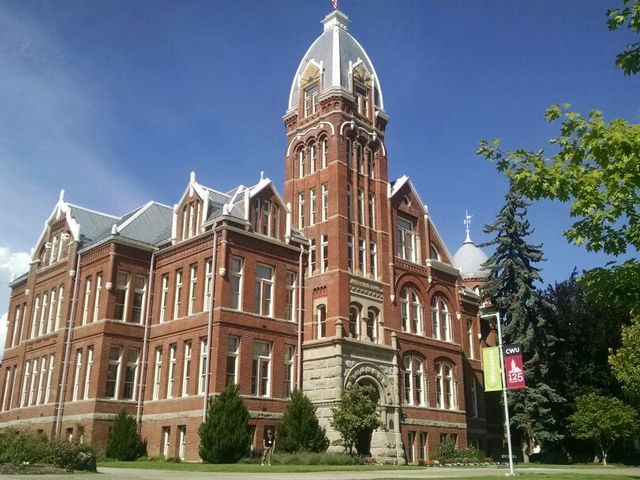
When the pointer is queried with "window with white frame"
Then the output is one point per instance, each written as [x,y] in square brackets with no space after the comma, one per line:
[312,256]
[54,249]
[177,299]
[361,206]
[313,157]
[324,252]
[373,260]
[131,373]
[411,311]
[440,319]
[354,321]
[122,295]
[290,294]
[5,395]
[372,211]
[288,370]
[311,99]
[76,376]
[36,317]
[96,300]
[88,372]
[434,253]
[264,290]
[301,161]
[164,297]
[321,320]
[193,287]
[41,381]
[312,206]
[186,368]
[59,308]
[171,374]
[204,366]
[411,445]
[360,153]
[34,379]
[87,300]
[113,372]
[325,202]
[17,324]
[166,441]
[362,98]
[47,393]
[139,298]
[208,279]
[261,369]
[233,353]
[446,386]
[157,373]
[325,152]
[372,325]
[301,210]
[43,313]
[52,311]
[237,265]
[415,391]
[350,252]
[371,164]
[362,255]
[25,383]
[405,240]
[422,446]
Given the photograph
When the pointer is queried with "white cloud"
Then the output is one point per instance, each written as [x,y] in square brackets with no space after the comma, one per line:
[11,264]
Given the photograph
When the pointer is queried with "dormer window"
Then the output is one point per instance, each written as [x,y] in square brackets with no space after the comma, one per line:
[405,236]
[434,253]
[362,99]
[264,217]
[311,99]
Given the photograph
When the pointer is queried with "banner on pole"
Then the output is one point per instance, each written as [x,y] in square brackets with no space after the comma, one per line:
[513,366]
[491,366]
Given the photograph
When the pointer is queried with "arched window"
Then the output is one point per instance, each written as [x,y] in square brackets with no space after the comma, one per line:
[301,161]
[360,158]
[354,321]
[434,253]
[411,311]
[440,319]
[321,320]
[313,160]
[371,164]
[414,382]
[446,386]
[372,325]
[324,152]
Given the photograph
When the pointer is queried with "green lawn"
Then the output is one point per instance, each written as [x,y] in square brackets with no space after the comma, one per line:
[538,476]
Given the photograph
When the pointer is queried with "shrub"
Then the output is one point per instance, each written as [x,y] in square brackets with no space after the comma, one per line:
[299,429]
[312,458]
[20,448]
[450,453]
[124,441]
[225,435]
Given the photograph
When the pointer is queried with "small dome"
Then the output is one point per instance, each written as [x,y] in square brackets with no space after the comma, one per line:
[335,54]
[469,259]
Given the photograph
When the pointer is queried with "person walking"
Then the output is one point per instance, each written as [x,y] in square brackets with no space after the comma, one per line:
[268,444]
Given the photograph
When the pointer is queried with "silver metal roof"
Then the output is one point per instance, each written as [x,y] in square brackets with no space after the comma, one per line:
[469,259]
[336,52]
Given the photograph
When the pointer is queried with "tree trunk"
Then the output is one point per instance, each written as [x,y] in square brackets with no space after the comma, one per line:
[524,446]
[604,458]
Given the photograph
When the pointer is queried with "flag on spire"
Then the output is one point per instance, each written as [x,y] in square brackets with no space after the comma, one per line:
[334,4]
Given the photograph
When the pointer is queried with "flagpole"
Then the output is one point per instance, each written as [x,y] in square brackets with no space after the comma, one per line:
[507,423]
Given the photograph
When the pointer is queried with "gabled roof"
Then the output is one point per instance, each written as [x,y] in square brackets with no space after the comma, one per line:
[149,224]
[396,186]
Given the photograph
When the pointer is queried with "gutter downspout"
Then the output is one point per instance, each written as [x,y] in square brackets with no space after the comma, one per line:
[145,342]
[212,292]
[67,350]
[300,321]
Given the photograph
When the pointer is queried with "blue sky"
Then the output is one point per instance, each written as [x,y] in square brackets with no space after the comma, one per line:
[117,101]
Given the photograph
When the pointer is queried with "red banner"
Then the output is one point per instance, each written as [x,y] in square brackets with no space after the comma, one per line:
[513,366]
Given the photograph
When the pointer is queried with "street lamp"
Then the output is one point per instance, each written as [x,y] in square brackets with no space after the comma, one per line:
[504,390]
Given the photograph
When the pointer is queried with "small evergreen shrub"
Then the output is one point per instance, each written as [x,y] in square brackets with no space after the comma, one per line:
[124,441]
[450,453]
[225,436]
[299,429]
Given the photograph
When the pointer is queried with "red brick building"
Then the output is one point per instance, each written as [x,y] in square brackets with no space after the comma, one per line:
[344,279]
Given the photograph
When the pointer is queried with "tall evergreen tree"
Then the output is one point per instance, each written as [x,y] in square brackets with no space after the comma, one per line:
[299,429]
[523,313]
[124,443]
[225,436]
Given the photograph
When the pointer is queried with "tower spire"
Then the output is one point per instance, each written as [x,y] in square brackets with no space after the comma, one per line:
[467,222]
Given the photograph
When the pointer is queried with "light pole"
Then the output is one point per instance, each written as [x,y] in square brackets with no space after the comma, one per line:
[504,390]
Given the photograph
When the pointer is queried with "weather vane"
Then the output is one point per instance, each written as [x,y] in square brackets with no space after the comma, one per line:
[467,222]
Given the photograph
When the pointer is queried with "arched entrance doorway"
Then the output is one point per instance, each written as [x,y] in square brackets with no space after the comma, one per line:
[363,443]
